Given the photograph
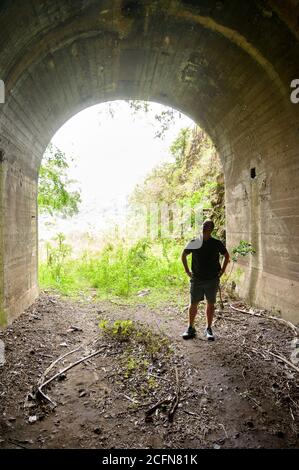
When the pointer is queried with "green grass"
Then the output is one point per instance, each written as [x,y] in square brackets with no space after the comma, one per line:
[118,272]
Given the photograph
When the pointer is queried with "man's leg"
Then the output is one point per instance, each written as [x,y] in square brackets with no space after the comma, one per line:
[210,309]
[211,289]
[191,332]
[196,295]
[192,313]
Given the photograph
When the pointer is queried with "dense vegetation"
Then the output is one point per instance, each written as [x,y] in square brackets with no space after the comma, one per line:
[146,267]
[55,189]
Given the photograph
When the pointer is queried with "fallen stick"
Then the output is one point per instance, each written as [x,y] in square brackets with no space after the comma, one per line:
[192,414]
[157,405]
[223,427]
[220,295]
[270,317]
[131,399]
[46,397]
[41,380]
[292,415]
[158,377]
[283,359]
[65,370]
[16,443]
[176,399]
[219,316]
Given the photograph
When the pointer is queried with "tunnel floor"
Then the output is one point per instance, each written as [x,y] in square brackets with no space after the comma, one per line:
[230,393]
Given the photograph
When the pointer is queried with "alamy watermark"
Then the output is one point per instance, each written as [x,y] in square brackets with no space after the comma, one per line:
[161,220]
[2,92]
[294,96]
[295,93]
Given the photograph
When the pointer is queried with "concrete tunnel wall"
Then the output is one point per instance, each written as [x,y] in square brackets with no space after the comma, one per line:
[227,64]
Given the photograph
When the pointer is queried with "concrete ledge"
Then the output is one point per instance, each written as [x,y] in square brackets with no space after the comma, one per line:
[17,306]
[274,293]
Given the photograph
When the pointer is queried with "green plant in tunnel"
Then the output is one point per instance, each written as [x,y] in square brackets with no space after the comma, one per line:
[56,256]
[55,192]
[119,329]
[243,249]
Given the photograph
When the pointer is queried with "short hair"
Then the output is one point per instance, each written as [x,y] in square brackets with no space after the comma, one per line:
[209,222]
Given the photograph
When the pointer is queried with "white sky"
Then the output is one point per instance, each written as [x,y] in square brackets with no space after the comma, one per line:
[113,154]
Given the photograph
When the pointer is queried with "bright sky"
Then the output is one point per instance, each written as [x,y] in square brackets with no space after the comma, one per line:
[114,153]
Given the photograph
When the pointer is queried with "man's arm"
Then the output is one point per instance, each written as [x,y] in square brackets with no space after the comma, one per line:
[225,263]
[185,262]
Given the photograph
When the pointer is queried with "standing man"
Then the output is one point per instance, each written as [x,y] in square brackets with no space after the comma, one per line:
[204,276]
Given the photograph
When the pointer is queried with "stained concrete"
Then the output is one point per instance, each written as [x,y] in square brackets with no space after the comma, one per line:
[227,64]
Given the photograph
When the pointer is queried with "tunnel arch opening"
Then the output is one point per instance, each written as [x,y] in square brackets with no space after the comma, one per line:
[206,60]
[148,216]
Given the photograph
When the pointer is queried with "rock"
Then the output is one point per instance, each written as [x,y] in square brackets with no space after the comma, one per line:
[216,446]
[2,353]
[32,419]
[12,418]
[143,292]
[74,328]
[65,345]
[295,343]
[249,424]
[295,356]
[62,377]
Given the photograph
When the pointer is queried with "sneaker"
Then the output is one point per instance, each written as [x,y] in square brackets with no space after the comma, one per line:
[209,334]
[189,333]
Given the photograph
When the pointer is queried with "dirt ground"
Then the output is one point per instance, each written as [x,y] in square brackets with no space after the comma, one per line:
[230,393]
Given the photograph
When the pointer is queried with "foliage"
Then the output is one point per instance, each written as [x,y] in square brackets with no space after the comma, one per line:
[243,249]
[165,118]
[57,254]
[58,271]
[117,270]
[123,269]
[193,178]
[55,193]
[120,329]
[141,353]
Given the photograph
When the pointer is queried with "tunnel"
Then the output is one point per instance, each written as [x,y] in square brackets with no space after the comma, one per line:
[228,64]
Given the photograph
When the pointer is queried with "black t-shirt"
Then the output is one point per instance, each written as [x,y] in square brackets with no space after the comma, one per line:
[205,260]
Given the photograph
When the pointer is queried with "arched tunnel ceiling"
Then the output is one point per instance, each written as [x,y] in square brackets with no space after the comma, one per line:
[198,56]
[228,64]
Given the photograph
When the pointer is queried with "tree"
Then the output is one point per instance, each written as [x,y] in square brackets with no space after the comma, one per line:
[193,178]
[55,193]
[164,119]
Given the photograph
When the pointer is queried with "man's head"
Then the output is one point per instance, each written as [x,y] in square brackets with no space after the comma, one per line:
[207,228]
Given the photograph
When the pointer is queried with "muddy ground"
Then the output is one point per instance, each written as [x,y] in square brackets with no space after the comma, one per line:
[230,393]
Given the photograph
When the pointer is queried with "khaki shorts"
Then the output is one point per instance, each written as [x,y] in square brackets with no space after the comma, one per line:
[203,289]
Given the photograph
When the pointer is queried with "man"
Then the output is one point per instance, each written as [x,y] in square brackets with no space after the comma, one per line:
[205,275]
